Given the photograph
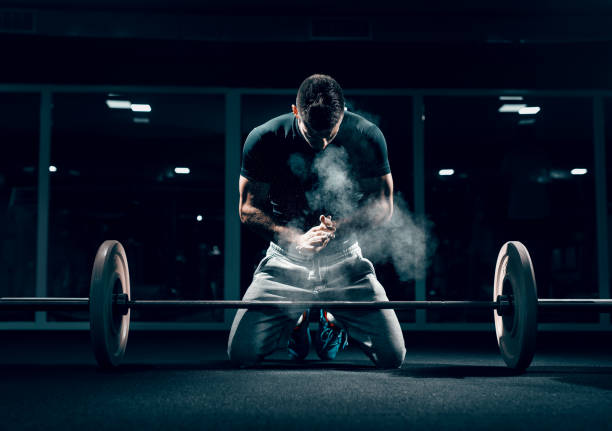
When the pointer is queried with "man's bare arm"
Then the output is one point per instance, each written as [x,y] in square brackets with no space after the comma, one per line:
[253,202]
[376,207]
[252,210]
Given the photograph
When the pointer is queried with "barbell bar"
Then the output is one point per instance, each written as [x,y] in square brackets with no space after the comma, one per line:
[503,304]
[515,305]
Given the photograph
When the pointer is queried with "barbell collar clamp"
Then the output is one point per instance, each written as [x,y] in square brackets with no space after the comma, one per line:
[505,305]
[121,303]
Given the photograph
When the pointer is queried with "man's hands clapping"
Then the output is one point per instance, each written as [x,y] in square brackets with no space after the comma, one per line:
[317,238]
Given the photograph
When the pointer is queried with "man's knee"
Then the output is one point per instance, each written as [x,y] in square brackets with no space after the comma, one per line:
[242,356]
[240,349]
[391,358]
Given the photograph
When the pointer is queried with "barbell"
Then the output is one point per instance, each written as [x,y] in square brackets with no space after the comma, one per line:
[515,305]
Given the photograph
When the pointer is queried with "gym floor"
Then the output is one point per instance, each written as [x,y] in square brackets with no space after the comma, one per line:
[183,381]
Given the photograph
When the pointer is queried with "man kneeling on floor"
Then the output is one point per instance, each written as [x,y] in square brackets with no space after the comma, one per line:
[311,180]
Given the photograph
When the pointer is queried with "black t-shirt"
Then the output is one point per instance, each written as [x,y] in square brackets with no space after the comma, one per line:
[304,182]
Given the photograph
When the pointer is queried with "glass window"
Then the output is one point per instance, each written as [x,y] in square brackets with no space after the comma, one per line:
[496,176]
[152,180]
[393,115]
[19,138]
[608,141]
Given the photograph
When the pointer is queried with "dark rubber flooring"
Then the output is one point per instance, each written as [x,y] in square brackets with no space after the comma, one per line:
[183,381]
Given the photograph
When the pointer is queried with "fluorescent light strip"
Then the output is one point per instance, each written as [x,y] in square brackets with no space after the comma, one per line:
[139,107]
[446,172]
[511,107]
[578,171]
[529,110]
[119,104]
[139,120]
[181,170]
[510,97]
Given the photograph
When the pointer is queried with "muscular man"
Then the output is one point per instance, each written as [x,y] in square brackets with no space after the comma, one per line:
[311,180]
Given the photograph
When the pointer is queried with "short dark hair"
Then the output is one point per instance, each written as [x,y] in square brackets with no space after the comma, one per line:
[320,102]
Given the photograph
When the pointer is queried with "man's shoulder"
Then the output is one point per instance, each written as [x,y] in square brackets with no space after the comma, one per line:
[361,129]
[360,124]
[366,145]
[278,126]
[267,139]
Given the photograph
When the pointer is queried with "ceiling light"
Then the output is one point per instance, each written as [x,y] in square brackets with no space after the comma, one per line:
[578,171]
[183,171]
[138,107]
[446,172]
[52,168]
[510,97]
[529,110]
[511,107]
[119,104]
[140,120]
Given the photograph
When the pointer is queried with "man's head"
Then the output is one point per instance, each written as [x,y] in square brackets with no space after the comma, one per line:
[320,109]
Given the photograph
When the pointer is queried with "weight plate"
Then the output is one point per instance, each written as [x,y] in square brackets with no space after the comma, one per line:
[109,330]
[516,330]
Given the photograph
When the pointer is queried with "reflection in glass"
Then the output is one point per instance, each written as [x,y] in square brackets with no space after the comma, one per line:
[19,135]
[513,178]
[157,186]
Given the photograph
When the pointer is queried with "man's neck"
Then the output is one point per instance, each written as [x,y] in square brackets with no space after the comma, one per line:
[301,132]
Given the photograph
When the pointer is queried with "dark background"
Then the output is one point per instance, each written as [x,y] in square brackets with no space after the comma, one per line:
[474,44]
[439,66]
[115,176]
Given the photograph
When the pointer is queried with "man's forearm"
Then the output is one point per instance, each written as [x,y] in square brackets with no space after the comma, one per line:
[264,225]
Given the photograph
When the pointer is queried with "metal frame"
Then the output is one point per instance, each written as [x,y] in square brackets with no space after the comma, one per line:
[418,161]
[67,88]
[42,227]
[601,202]
[232,224]
[233,138]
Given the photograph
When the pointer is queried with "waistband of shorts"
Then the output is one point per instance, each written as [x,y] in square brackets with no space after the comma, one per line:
[329,257]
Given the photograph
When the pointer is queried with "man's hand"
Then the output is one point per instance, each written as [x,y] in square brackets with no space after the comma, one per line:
[317,238]
[327,222]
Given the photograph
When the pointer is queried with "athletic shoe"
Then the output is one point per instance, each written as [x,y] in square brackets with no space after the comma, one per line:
[330,338]
[299,341]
